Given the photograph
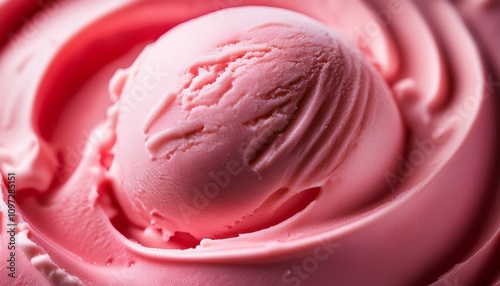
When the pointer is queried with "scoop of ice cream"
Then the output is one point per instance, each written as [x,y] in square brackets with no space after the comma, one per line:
[437,224]
[231,122]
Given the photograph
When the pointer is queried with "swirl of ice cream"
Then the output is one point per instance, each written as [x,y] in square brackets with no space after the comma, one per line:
[249,120]
[74,162]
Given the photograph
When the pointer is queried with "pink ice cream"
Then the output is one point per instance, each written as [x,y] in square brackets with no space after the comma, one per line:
[248,124]
[338,142]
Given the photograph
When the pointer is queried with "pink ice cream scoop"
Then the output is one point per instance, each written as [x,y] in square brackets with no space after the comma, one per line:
[250,112]
[323,143]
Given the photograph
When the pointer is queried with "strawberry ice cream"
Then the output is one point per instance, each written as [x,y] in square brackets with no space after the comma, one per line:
[268,107]
[249,142]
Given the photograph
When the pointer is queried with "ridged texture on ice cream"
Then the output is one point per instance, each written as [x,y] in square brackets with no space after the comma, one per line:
[436,222]
[253,112]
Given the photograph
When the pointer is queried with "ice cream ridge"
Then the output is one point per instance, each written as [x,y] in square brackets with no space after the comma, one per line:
[277,143]
[249,124]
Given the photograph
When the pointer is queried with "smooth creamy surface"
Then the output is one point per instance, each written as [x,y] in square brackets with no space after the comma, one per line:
[252,146]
